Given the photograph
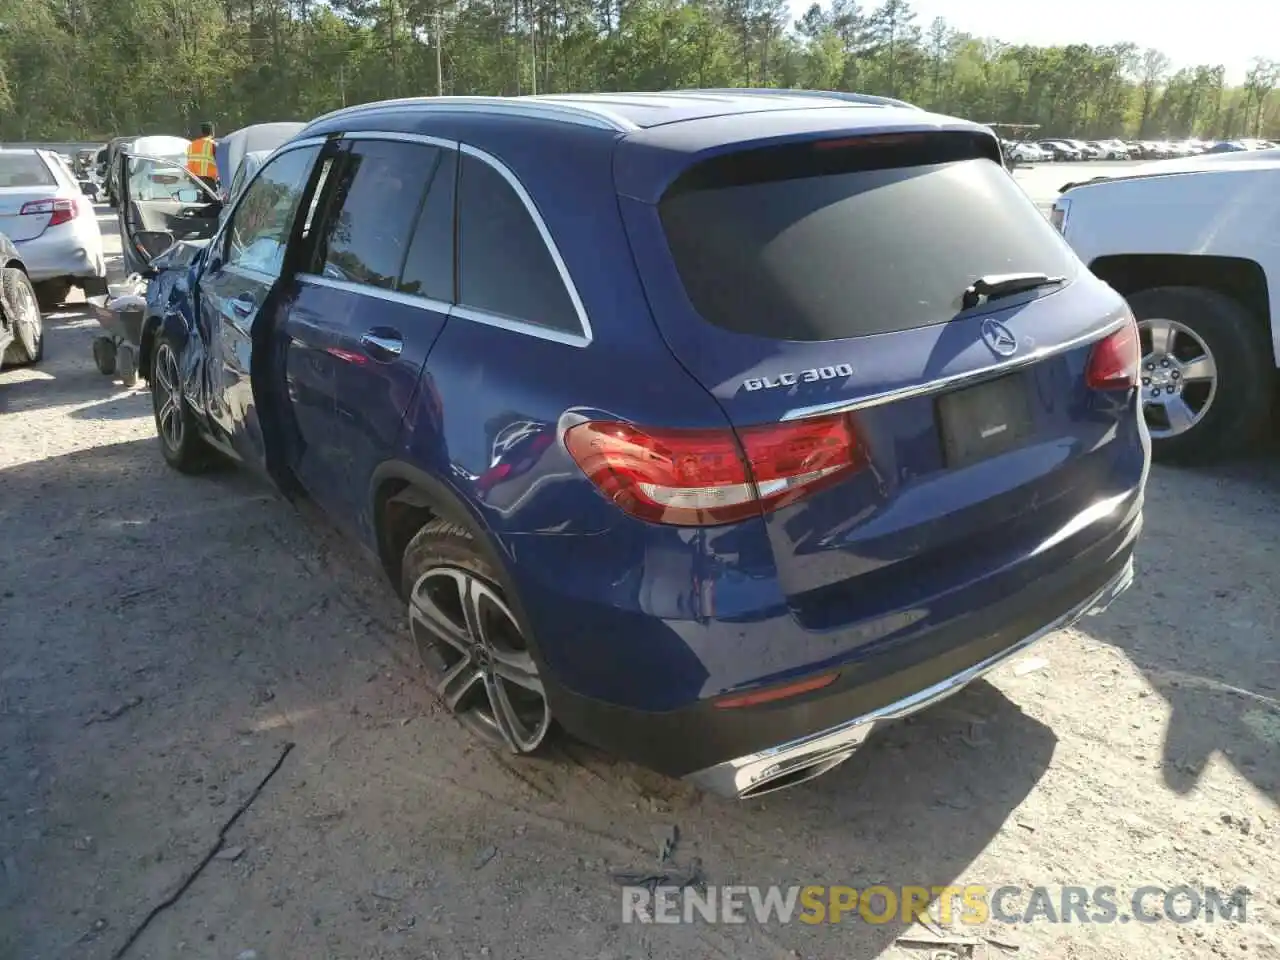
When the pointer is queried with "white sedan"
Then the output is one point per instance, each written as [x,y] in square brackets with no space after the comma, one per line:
[1031,153]
[52,224]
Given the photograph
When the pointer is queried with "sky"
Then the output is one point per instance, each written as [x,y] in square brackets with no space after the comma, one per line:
[1230,32]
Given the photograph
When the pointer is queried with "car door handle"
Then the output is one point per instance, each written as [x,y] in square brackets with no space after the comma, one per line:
[382,344]
[243,305]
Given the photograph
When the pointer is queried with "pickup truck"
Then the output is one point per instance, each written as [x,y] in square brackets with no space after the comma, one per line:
[1194,246]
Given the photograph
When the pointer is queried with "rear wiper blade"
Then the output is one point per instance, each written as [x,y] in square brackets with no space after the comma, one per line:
[1005,284]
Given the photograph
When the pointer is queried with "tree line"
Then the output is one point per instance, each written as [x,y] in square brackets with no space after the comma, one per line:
[85,69]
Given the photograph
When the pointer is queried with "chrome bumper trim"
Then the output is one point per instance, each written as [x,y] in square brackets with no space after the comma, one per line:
[749,776]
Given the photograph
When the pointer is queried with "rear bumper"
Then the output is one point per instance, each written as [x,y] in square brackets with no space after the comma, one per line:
[789,763]
[740,752]
[60,252]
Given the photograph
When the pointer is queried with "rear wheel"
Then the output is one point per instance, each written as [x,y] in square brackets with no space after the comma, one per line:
[1206,373]
[470,642]
[180,442]
[23,310]
[52,293]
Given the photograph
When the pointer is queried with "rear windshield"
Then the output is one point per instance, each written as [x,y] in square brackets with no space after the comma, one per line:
[851,238]
[24,170]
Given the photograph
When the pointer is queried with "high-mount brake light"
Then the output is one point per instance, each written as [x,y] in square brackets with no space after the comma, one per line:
[1115,360]
[876,140]
[706,477]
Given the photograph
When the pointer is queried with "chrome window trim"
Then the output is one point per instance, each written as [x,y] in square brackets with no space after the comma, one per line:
[419,138]
[532,108]
[957,379]
[578,339]
[380,293]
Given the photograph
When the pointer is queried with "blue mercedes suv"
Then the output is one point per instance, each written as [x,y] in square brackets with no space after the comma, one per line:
[714,426]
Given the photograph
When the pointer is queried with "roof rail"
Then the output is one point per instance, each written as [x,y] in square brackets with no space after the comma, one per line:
[865,99]
[581,112]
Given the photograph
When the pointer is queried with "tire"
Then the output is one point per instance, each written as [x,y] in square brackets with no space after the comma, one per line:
[52,293]
[1235,408]
[489,679]
[127,364]
[176,427]
[104,355]
[21,307]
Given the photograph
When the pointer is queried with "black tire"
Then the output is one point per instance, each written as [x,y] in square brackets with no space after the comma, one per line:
[180,442]
[473,677]
[1240,408]
[104,355]
[22,310]
[52,293]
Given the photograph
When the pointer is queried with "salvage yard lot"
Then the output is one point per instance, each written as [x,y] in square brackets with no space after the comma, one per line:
[164,640]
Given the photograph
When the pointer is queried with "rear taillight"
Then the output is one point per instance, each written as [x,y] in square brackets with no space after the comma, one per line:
[1114,361]
[706,477]
[58,210]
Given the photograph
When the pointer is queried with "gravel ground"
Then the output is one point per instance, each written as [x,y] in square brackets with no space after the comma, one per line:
[166,641]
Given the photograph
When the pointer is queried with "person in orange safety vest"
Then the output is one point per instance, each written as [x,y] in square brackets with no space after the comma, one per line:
[200,159]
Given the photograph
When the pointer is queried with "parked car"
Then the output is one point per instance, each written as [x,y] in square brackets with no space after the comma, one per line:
[251,144]
[1061,150]
[21,325]
[582,373]
[1109,149]
[1191,244]
[52,223]
[1030,153]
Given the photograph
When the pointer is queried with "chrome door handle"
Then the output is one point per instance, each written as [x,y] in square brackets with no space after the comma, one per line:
[382,344]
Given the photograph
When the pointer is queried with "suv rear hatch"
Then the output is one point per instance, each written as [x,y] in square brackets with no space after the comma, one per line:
[953,446]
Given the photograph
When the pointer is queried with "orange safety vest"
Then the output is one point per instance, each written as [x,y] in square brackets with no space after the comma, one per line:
[200,158]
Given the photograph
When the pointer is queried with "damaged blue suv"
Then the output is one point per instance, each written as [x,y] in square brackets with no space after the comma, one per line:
[716,426]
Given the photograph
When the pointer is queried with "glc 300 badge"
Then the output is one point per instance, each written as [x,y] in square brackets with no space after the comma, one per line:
[812,375]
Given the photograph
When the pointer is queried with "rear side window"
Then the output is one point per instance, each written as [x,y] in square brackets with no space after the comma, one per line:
[505,268]
[24,170]
[853,237]
[376,199]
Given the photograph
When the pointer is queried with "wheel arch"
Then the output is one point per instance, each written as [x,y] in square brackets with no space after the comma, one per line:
[405,498]
[1239,278]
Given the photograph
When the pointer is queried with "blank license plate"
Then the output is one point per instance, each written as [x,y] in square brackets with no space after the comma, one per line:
[985,420]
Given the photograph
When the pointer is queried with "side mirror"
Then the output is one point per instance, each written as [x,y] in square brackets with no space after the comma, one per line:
[187,195]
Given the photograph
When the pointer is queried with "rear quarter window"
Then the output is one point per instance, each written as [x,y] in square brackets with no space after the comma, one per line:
[851,238]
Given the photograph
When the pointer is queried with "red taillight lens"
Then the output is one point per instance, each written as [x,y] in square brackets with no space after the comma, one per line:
[58,210]
[707,477]
[1114,362]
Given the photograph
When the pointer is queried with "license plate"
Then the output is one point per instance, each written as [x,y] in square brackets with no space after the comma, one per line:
[985,420]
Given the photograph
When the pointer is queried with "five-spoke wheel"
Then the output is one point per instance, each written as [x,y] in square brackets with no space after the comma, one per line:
[470,641]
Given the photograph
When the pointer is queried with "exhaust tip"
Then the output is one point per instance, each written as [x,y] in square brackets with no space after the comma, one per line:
[795,775]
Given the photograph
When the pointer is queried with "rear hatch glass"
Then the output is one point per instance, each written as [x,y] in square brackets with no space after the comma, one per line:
[822,243]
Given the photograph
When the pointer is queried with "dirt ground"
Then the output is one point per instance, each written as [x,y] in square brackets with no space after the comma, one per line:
[168,643]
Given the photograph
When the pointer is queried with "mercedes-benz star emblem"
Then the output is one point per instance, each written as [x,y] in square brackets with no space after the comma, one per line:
[999,338]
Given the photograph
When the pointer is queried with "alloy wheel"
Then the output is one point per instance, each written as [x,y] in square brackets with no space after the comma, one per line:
[167,398]
[28,321]
[1179,377]
[469,640]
